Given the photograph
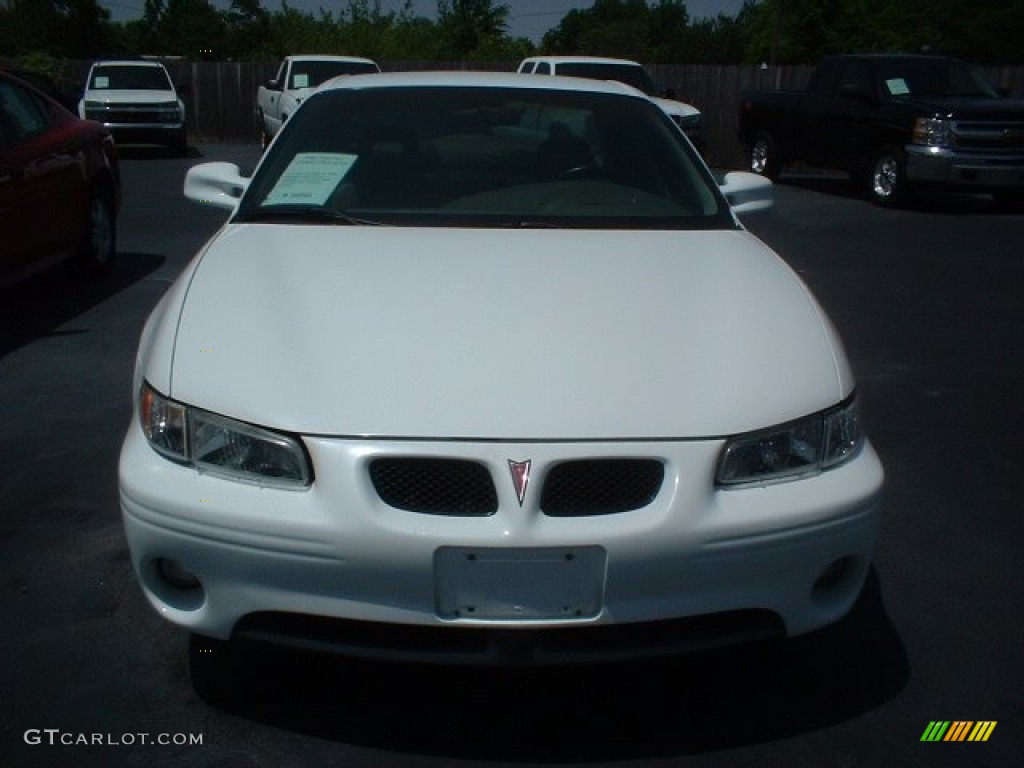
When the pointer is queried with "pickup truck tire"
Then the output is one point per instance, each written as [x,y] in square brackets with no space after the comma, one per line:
[180,143]
[261,123]
[765,159]
[887,177]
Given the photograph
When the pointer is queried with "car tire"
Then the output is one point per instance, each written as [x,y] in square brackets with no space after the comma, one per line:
[887,177]
[765,158]
[180,143]
[261,126]
[99,244]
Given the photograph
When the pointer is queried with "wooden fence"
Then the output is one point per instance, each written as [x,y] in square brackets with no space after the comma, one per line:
[221,96]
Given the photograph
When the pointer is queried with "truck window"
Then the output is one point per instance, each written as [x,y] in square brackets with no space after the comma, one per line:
[823,81]
[856,78]
[934,78]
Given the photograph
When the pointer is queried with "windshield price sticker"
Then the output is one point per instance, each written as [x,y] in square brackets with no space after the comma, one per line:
[310,178]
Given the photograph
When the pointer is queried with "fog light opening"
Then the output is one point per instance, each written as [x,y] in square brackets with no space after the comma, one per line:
[175,575]
[834,577]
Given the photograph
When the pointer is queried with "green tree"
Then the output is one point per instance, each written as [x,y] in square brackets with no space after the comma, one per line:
[68,28]
[802,31]
[469,27]
[248,30]
[193,29]
[668,32]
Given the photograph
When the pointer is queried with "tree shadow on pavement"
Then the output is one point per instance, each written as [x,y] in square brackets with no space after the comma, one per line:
[39,306]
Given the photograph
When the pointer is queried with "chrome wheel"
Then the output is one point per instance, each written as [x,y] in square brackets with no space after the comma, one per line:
[886,177]
[98,246]
[887,180]
[759,156]
[765,158]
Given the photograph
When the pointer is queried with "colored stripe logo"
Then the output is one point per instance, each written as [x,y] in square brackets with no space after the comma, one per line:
[958,730]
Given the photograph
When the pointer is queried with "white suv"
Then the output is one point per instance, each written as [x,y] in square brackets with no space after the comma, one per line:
[137,102]
[625,71]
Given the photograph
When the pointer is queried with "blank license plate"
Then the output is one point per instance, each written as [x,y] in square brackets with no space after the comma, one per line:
[512,584]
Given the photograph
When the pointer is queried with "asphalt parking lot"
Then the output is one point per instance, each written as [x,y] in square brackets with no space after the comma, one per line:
[928,301]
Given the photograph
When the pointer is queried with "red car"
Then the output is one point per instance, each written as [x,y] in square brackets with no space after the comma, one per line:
[60,185]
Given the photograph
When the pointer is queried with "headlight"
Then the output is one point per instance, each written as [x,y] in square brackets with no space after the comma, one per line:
[801,448]
[219,445]
[169,111]
[94,110]
[931,132]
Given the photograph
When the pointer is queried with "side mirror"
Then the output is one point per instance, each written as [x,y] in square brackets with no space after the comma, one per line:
[747,192]
[218,184]
[273,85]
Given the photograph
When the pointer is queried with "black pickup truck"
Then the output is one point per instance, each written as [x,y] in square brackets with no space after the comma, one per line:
[894,122]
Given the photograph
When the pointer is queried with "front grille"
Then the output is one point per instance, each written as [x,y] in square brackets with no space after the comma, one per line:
[989,135]
[435,486]
[133,115]
[600,486]
[460,487]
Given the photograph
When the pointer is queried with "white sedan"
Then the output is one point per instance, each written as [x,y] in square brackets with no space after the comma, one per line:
[483,368]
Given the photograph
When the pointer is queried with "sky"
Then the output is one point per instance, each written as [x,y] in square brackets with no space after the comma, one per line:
[526,18]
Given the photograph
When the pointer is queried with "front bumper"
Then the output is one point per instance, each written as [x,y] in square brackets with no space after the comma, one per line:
[147,133]
[982,171]
[334,567]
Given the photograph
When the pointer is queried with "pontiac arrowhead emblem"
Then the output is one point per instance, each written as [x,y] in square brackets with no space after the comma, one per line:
[520,477]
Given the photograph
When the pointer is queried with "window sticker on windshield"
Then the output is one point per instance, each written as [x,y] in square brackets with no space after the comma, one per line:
[310,178]
[101,82]
[300,81]
[897,86]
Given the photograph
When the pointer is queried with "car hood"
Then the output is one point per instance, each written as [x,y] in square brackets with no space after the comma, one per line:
[131,96]
[976,107]
[526,334]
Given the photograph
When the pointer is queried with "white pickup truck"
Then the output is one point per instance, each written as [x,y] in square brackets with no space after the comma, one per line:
[632,73]
[296,77]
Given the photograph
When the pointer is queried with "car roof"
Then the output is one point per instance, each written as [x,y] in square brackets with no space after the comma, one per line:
[327,57]
[128,63]
[466,79]
[582,60]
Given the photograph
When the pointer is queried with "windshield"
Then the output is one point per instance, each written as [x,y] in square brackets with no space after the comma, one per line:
[940,77]
[483,156]
[130,78]
[309,74]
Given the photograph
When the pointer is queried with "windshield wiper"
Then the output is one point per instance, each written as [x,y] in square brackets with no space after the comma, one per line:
[312,214]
